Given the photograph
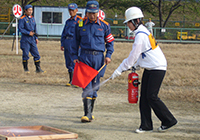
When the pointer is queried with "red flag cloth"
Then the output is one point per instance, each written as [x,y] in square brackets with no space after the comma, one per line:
[83,74]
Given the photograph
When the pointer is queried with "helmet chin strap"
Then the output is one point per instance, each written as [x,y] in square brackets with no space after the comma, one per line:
[136,25]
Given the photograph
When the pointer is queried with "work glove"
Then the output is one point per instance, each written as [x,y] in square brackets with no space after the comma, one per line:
[137,67]
[116,73]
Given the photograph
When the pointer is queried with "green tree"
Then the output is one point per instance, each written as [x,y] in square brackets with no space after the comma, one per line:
[26,2]
[162,10]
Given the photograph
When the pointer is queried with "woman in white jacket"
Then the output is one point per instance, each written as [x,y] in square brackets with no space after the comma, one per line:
[148,55]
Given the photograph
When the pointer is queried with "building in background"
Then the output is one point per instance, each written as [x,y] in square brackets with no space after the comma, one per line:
[50,20]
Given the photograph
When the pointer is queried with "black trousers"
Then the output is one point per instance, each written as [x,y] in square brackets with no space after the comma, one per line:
[151,82]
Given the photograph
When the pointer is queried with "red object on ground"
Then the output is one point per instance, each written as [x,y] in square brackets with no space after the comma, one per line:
[83,74]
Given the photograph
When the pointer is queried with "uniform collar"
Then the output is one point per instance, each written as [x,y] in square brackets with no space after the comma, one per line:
[74,18]
[141,28]
[138,29]
[97,21]
[29,16]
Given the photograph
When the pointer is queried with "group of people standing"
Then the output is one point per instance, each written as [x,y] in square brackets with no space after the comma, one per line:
[87,39]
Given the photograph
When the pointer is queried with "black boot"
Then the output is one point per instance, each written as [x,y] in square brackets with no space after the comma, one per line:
[38,68]
[25,64]
[92,105]
[70,79]
[87,103]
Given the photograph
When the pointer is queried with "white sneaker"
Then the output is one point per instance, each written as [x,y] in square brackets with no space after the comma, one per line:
[163,128]
[142,131]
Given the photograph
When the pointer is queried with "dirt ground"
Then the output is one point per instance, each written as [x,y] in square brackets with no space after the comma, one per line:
[115,119]
[33,99]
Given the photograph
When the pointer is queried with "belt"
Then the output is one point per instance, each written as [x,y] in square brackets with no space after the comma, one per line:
[68,37]
[91,52]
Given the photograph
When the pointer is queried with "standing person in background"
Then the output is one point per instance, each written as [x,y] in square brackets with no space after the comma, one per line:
[150,25]
[29,39]
[86,14]
[67,38]
[91,35]
[147,54]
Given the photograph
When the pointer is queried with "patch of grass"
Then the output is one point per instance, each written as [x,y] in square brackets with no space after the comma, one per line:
[182,80]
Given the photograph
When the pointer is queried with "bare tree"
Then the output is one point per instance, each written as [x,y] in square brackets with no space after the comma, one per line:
[163,8]
[106,4]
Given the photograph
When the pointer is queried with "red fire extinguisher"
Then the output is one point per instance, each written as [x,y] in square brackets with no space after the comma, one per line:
[133,82]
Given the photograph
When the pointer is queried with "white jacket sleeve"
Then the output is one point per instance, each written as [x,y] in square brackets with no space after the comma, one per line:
[132,58]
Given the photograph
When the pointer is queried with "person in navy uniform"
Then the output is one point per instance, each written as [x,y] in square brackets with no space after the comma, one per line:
[93,35]
[29,39]
[67,38]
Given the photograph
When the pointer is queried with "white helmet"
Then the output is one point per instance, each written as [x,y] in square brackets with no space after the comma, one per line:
[133,13]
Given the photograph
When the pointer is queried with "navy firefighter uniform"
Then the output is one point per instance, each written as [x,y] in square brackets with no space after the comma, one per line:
[28,42]
[67,39]
[94,37]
